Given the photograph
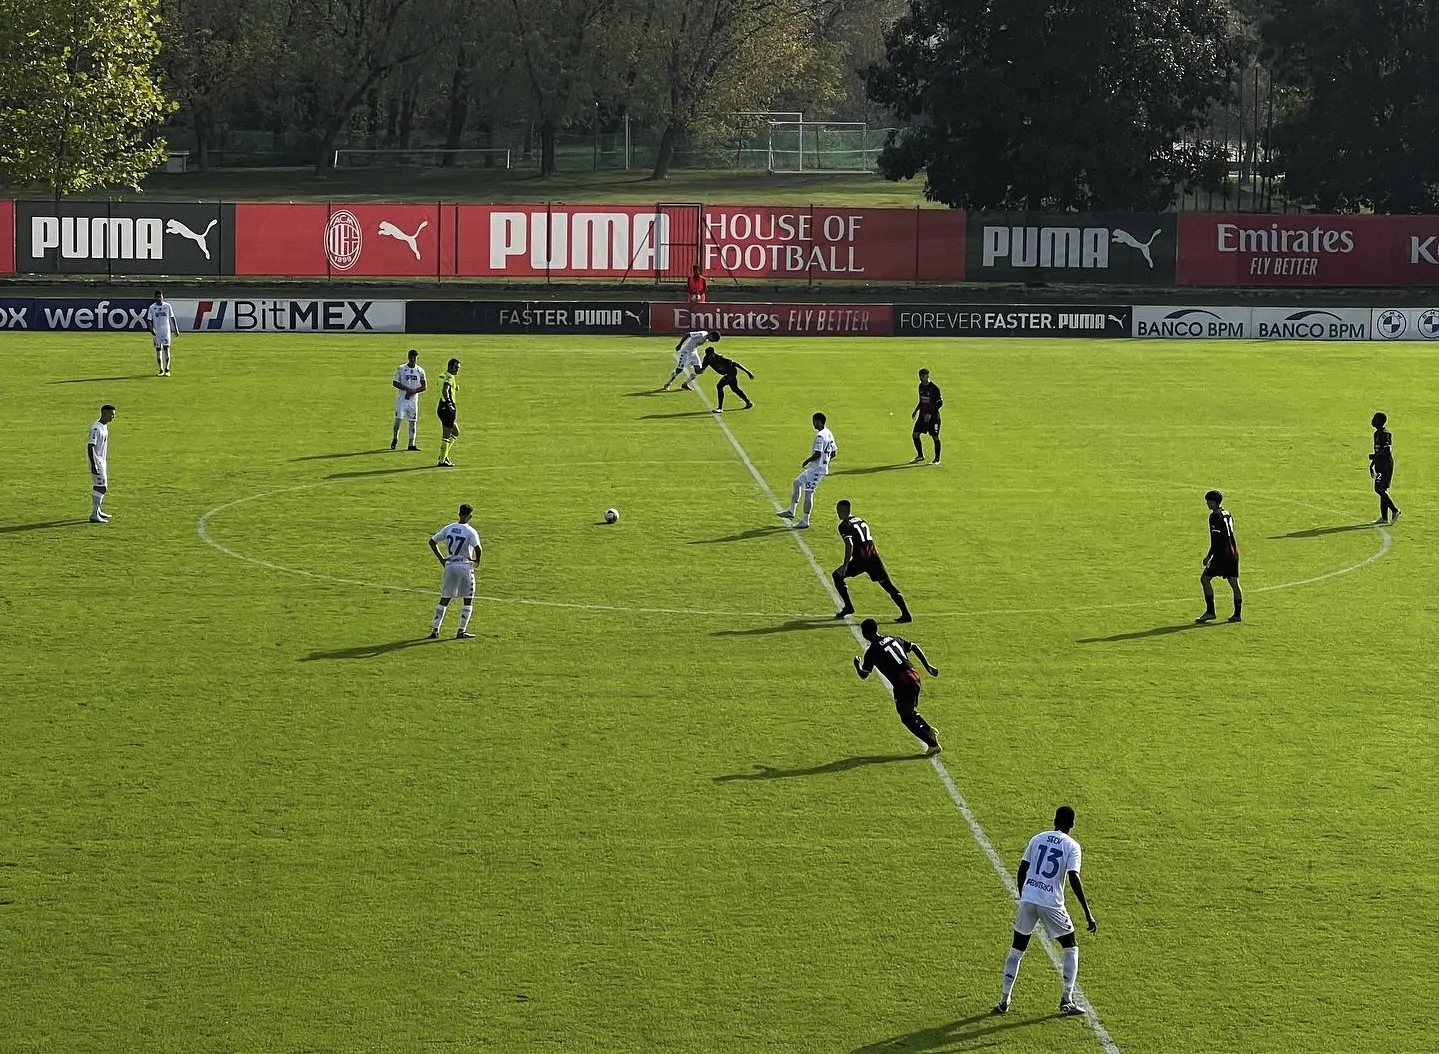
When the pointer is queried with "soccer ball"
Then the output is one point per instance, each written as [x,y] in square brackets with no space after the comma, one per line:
[611,515]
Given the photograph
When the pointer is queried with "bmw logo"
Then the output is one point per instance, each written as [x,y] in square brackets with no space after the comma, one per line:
[1391,324]
[1428,324]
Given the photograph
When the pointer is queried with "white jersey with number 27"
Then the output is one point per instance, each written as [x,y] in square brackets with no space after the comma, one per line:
[1051,855]
[458,540]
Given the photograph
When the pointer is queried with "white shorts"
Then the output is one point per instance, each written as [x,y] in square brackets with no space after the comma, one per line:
[811,477]
[161,339]
[1056,920]
[409,409]
[459,579]
[100,479]
[690,359]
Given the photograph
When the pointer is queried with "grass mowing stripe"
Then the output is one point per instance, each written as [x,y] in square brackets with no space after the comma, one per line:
[995,861]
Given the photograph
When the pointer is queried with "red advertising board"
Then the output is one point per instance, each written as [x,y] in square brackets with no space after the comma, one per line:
[363,240]
[1307,250]
[776,320]
[7,237]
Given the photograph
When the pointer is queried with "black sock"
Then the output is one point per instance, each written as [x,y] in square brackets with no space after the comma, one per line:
[897,597]
[842,590]
[919,726]
[936,450]
[918,446]
[1238,605]
[1209,605]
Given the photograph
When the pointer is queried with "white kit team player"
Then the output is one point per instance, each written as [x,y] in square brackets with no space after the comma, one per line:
[160,317]
[815,468]
[688,352]
[98,451]
[1051,857]
[457,547]
[409,382]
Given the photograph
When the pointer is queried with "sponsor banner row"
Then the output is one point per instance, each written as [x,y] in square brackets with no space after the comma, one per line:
[242,316]
[1267,323]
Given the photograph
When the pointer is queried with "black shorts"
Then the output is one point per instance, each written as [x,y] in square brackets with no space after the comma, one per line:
[1383,479]
[1222,569]
[927,428]
[906,693]
[867,565]
[728,380]
[446,413]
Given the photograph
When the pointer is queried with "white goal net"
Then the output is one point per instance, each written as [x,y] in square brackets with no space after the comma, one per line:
[796,147]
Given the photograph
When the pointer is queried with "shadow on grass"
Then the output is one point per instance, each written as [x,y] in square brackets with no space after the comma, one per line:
[368,651]
[20,528]
[869,470]
[100,380]
[769,772]
[1157,631]
[348,453]
[792,626]
[953,1036]
[743,536]
[647,391]
[380,472]
[686,413]
[1320,532]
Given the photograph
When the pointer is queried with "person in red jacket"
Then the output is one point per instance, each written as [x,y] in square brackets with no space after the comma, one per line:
[696,286]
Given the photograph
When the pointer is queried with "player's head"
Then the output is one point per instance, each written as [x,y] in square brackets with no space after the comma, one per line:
[454,366]
[466,512]
[712,336]
[414,354]
[869,629]
[159,297]
[818,420]
[923,376]
[1380,420]
[1064,819]
[107,414]
[697,270]
[1213,499]
[842,507]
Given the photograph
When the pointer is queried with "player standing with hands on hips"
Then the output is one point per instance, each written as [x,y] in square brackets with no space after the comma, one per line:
[410,382]
[460,556]
[1050,858]
[926,417]
[98,452]
[160,318]
[814,469]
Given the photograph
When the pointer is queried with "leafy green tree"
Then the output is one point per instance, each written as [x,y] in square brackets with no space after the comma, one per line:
[1072,104]
[1359,131]
[78,96]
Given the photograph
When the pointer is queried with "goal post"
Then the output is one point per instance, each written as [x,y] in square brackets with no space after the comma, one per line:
[808,147]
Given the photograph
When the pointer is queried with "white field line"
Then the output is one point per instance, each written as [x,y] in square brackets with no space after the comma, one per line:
[995,860]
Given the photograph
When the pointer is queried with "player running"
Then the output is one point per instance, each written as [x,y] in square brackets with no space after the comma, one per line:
[1222,560]
[729,372]
[813,470]
[160,320]
[862,558]
[890,655]
[926,417]
[460,556]
[445,410]
[688,354]
[410,382]
[1381,467]
[1050,857]
[97,449]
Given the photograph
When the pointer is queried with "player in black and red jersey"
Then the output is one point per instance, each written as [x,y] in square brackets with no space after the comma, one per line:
[1222,560]
[890,655]
[926,417]
[729,372]
[1381,467]
[861,557]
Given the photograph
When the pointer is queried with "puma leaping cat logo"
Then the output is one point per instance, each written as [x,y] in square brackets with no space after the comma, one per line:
[1125,238]
[176,227]
[412,240]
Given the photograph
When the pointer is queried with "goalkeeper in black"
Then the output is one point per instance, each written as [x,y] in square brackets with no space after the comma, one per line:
[729,372]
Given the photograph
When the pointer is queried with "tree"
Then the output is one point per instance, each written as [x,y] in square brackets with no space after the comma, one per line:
[77,94]
[1074,104]
[1360,130]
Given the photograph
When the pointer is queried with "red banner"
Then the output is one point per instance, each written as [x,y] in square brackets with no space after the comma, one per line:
[776,320]
[7,237]
[364,240]
[1308,250]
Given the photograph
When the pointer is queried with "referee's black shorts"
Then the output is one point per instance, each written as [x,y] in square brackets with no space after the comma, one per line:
[446,413]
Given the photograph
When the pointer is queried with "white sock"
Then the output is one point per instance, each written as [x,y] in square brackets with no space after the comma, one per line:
[96,498]
[439,616]
[465,617]
[1071,971]
[1011,972]
[414,431]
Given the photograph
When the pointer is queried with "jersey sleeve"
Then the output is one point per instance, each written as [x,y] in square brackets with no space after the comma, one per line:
[94,439]
[938,398]
[399,375]
[1072,864]
[439,535]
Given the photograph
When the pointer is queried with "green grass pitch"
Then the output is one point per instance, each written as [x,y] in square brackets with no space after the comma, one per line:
[651,808]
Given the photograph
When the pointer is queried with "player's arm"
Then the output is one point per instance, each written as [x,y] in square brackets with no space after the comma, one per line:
[915,412]
[807,462]
[90,453]
[742,366]
[848,553]
[1078,887]
[402,388]
[435,548]
[424,386]
[938,399]
[475,554]
[863,668]
[1023,874]
[919,654]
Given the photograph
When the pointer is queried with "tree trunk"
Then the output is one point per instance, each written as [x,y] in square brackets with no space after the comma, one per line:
[202,142]
[666,152]
[487,138]
[548,134]
[324,158]
[407,118]
[459,108]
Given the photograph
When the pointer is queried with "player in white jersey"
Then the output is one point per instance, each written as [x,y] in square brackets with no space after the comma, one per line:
[814,469]
[409,383]
[160,318]
[1050,858]
[98,452]
[460,556]
[688,352]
